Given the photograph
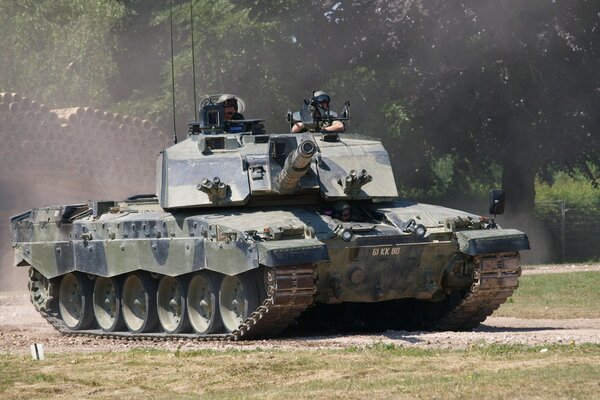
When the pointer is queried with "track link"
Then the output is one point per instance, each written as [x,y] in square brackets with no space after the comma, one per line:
[290,290]
[496,277]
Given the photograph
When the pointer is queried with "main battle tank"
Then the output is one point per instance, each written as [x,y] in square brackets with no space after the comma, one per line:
[250,234]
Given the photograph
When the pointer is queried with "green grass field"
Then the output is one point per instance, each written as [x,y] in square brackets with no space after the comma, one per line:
[559,295]
[375,372]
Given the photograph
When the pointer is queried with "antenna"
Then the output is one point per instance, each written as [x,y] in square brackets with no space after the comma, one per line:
[193,57]
[173,72]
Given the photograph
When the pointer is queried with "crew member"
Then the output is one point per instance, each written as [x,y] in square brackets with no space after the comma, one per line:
[322,100]
[230,107]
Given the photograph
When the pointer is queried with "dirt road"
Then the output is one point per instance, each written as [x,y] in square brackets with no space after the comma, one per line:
[21,326]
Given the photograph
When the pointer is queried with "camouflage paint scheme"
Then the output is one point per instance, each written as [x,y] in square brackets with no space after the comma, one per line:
[140,235]
[221,207]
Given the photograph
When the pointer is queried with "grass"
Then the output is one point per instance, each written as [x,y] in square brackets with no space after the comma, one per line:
[377,371]
[560,295]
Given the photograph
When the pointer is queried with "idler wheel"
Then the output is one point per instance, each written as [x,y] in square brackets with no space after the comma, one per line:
[238,298]
[75,301]
[171,302]
[139,301]
[203,303]
[107,304]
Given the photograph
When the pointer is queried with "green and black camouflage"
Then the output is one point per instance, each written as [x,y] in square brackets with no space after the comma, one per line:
[251,234]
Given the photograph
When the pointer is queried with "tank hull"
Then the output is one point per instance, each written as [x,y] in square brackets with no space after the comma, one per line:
[262,270]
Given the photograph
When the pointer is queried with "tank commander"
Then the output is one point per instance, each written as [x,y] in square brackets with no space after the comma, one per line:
[230,107]
[342,211]
[322,100]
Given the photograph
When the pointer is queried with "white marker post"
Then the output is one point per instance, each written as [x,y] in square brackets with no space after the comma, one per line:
[37,351]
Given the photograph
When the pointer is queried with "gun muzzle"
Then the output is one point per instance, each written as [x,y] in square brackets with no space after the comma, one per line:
[296,166]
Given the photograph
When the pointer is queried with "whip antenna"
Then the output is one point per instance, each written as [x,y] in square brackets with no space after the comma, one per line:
[193,57]
[173,72]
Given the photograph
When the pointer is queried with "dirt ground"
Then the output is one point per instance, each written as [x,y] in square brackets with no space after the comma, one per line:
[21,326]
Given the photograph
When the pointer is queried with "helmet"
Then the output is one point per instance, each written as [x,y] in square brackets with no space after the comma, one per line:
[340,206]
[342,210]
[321,96]
[230,99]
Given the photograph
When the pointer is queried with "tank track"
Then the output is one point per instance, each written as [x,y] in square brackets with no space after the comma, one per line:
[290,290]
[496,277]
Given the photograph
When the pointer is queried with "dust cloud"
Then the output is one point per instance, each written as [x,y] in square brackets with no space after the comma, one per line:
[68,156]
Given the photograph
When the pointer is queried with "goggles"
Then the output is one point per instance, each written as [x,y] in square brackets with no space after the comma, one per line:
[230,103]
[322,98]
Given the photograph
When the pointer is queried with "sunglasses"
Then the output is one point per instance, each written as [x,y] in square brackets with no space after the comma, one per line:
[230,103]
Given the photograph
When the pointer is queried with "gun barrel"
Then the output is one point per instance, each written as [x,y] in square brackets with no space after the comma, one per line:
[296,166]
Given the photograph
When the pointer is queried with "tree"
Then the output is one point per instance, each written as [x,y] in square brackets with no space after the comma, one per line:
[230,50]
[142,51]
[461,93]
[507,83]
[58,51]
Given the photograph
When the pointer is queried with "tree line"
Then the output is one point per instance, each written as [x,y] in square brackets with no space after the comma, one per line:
[465,95]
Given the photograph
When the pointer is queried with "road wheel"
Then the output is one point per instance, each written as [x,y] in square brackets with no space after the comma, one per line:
[75,301]
[171,304]
[203,303]
[238,298]
[139,303]
[107,304]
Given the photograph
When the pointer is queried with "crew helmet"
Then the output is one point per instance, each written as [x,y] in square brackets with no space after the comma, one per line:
[232,100]
[340,206]
[321,96]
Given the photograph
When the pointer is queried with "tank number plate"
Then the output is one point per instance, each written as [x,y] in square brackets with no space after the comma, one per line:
[385,251]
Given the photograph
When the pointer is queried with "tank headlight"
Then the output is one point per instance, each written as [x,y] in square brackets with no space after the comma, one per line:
[420,230]
[347,235]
